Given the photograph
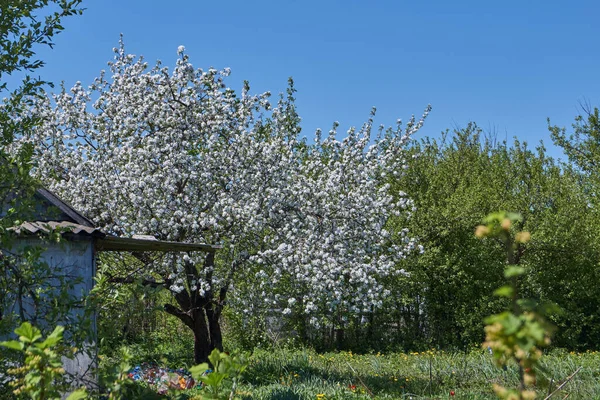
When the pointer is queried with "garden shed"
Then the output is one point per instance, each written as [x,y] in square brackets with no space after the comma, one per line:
[75,254]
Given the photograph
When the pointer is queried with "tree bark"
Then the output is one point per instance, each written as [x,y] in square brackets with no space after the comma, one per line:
[202,328]
[202,314]
[202,339]
[214,327]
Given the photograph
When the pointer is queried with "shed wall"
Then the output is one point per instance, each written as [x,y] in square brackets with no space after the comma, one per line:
[74,260]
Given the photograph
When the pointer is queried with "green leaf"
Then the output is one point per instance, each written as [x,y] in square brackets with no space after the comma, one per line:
[504,291]
[514,217]
[513,270]
[28,333]
[55,337]
[511,324]
[537,332]
[527,304]
[492,319]
[213,379]
[198,370]
[494,217]
[33,379]
[13,344]
[79,394]
[215,358]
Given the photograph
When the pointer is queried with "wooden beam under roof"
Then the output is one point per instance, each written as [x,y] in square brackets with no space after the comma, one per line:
[113,243]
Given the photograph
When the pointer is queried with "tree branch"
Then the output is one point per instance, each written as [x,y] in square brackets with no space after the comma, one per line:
[184,317]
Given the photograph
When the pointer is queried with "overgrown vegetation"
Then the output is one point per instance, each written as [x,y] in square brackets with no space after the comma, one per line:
[285,373]
[41,376]
[332,245]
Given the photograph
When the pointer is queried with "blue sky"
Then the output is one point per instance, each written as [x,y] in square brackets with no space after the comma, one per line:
[505,65]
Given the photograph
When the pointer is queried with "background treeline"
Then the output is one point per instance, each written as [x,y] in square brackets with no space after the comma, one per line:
[454,181]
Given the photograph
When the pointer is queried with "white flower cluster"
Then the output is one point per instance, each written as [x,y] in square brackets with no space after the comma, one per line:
[331,244]
[178,155]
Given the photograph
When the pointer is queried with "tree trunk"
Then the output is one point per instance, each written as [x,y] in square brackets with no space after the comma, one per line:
[195,319]
[206,326]
[214,327]
[201,314]
[202,340]
[339,338]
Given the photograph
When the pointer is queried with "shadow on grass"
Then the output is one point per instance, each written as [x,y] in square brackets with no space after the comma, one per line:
[283,394]
[296,372]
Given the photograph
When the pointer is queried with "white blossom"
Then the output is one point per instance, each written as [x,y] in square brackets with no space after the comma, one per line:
[178,155]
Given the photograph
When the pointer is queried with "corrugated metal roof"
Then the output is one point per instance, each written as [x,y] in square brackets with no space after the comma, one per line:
[106,242]
[78,225]
[66,227]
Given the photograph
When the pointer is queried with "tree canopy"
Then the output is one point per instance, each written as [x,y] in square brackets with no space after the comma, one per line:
[180,156]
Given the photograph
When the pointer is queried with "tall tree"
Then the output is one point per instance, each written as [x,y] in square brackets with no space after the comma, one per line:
[180,156]
[24,25]
[580,232]
[582,146]
[458,180]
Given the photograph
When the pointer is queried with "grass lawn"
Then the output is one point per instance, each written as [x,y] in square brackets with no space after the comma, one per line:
[305,374]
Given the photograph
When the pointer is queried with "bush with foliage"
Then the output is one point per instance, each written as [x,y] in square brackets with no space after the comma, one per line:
[41,375]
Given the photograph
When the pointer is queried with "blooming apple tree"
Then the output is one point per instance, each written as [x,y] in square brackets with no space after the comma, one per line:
[179,155]
[331,246]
